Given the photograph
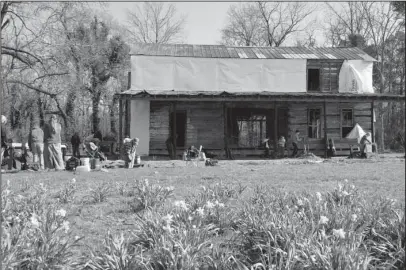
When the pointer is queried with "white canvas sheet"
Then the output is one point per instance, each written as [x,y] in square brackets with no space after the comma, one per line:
[217,74]
[356,77]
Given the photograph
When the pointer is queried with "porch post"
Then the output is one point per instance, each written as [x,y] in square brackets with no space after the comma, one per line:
[174,127]
[225,129]
[275,130]
[325,128]
[372,122]
[120,122]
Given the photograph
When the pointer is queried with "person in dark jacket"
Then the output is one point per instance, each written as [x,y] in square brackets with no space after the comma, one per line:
[98,135]
[75,141]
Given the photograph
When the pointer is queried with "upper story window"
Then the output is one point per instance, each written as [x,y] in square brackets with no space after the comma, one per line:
[347,121]
[313,79]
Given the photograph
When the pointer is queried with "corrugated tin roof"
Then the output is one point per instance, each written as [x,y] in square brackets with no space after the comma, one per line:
[219,94]
[221,51]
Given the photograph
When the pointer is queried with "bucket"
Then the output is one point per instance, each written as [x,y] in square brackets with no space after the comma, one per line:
[67,158]
[85,162]
[137,159]
[95,164]
[83,169]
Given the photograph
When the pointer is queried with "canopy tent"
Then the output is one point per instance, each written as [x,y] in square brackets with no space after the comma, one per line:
[356,77]
[356,133]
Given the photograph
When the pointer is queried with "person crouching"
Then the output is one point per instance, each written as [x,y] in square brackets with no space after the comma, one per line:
[130,149]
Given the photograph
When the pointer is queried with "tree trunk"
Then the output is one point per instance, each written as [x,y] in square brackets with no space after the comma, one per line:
[113,116]
[95,114]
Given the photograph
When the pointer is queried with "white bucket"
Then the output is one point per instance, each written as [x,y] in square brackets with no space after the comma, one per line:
[138,160]
[85,162]
[67,158]
[83,169]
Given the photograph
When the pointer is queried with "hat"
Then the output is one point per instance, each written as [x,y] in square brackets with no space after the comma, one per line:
[92,146]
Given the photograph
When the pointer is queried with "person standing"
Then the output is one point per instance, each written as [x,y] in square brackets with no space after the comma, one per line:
[295,140]
[36,141]
[75,141]
[3,137]
[52,145]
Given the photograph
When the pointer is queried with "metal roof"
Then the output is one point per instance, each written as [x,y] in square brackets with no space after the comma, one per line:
[221,51]
[168,94]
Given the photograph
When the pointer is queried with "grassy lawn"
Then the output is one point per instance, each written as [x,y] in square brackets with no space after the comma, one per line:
[381,176]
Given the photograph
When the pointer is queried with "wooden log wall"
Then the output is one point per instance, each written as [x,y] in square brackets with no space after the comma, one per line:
[204,124]
[329,71]
[298,113]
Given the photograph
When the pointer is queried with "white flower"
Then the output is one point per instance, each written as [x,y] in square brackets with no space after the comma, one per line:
[300,202]
[168,218]
[167,228]
[323,220]
[345,193]
[346,180]
[170,188]
[313,258]
[318,196]
[190,218]
[7,191]
[73,180]
[34,220]
[219,204]
[61,212]
[146,182]
[194,226]
[200,211]
[181,204]
[352,187]
[339,233]
[65,226]
[77,237]
[340,187]
[209,205]
[353,217]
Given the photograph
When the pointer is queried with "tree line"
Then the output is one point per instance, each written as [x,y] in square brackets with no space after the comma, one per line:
[71,58]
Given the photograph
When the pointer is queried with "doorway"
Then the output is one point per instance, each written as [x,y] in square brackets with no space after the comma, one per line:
[180,123]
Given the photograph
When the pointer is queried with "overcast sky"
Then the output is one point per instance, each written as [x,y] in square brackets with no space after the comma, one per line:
[204,19]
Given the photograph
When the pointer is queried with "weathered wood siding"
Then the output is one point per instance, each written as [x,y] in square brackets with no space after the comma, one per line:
[298,113]
[329,71]
[204,125]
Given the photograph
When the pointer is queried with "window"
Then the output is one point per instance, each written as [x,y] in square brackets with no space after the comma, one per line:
[252,130]
[314,123]
[347,122]
[313,79]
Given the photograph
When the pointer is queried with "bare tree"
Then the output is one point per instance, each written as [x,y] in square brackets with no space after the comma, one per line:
[265,23]
[155,23]
[244,26]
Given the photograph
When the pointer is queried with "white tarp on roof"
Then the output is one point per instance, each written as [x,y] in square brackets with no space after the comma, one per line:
[356,76]
[217,74]
[356,133]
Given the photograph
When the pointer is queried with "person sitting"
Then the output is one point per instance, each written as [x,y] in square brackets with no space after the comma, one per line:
[130,149]
[363,144]
[193,152]
[295,140]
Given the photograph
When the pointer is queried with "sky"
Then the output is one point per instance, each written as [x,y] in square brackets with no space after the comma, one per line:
[204,19]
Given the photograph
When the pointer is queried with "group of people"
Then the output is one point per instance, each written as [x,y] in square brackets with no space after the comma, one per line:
[45,143]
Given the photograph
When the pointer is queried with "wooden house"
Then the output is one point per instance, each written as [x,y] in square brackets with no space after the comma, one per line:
[234,97]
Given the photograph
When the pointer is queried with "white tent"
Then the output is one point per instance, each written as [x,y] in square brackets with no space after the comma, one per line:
[356,133]
[356,77]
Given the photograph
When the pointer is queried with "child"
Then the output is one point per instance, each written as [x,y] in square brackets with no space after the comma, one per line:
[281,146]
[295,140]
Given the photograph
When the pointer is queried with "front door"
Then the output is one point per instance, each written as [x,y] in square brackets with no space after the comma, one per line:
[180,128]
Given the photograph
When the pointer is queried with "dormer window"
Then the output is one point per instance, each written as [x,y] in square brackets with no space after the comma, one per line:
[313,79]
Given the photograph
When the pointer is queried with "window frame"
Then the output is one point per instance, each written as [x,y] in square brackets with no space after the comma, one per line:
[341,120]
[307,79]
[308,121]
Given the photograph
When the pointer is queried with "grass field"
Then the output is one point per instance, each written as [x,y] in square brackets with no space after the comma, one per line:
[381,176]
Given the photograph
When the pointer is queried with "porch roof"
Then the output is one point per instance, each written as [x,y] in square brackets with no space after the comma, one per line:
[257,96]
